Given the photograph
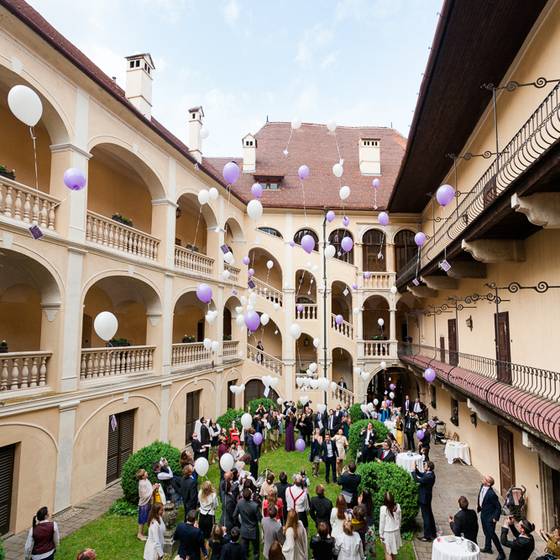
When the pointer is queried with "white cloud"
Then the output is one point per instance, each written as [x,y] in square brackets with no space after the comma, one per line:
[367,11]
[328,60]
[231,12]
[314,40]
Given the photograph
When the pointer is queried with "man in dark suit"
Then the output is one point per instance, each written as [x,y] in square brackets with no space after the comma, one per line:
[191,538]
[349,481]
[407,405]
[465,521]
[321,506]
[385,454]
[188,489]
[490,510]
[233,549]
[426,480]
[410,423]
[249,514]
[329,454]
[254,452]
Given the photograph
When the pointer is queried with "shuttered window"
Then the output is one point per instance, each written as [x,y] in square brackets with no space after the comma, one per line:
[192,413]
[7,455]
[120,443]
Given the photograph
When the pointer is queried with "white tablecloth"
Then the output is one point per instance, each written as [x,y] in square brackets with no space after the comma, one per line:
[457,450]
[408,462]
[454,548]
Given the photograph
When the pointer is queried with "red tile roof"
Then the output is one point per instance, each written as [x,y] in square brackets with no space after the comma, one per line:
[314,146]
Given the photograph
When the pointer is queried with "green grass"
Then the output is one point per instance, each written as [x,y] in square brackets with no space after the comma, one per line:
[114,537]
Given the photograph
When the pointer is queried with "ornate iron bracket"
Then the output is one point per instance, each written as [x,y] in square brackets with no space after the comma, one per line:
[512,85]
[514,287]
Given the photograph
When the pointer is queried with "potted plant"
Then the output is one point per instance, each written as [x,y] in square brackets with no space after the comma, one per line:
[187,339]
[227,336]
[6,173]
[122,219]
[3,347]
[119,342]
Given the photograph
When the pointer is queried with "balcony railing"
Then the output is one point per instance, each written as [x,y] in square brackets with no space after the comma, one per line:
[380,348]
[109,233]
[268,292]
[233,273]
[194,262]
[267,361]
[309,311]
[120,360]
[345,328]
[378,280]
[190,354]
[345,396]
[27,205]
[23,370]
[539,133]
[539,382]
[231,350]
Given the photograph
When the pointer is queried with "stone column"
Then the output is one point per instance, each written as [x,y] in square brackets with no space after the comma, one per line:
[163,227]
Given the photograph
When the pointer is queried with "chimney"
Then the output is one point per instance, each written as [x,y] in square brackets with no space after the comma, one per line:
[249,143]
[196,114]
[139,69]
[370,156]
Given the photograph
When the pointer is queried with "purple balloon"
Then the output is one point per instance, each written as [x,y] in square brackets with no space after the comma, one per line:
[429,375]
[252,320]
[299,307]
[300,445]
[257,438]
[383,218]
[292,243]
[420,238]
[376,183]
[347,244]
[420,434]
[392,386]
[388,402]
[231,172]
[251,272]
[330,216]
[339,319]
[303,172]
[204,293]
[74,179]
[246,260]
[354,286]
[367,275]
[256,190]
[307,243]
[445,194]
[346,221]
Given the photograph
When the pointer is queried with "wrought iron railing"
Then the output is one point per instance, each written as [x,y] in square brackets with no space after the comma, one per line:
[539,133]
[537,381]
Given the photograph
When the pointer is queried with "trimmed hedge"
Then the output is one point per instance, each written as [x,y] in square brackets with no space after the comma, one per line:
[355,440]
[144,459]
[231,415]
[255,403]
[355,412]
[2,551]
[379,478]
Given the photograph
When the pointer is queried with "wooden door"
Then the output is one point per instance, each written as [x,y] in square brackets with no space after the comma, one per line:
[120,443]
[87,330]
[230,396]
[503,349]
[192,413]
[507,463]
[200,331]
[442,349]
[555,498]
[452,341]
[254,389]
[7,455]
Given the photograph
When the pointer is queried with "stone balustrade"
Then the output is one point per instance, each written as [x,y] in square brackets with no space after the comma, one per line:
[114,361]
[23,370]
[194,262]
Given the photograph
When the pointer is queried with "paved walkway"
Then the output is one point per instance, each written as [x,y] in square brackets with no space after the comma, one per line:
[69,520]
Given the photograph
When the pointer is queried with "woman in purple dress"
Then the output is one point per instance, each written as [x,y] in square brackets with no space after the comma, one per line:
[290,424]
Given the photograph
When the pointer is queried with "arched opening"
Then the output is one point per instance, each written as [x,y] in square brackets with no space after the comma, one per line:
[342,367]
[231,330]
[373,251]
[254,389]
[405,248]
[234,238]
[270,231]
[306,353]
[193,224]
[335,239]
[300,233]
[189,323]
[264,347]
[390,380]
[403,318]
[258,259]
[341,300]
[375,308]
[121,187]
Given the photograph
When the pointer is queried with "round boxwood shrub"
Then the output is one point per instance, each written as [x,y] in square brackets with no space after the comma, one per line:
[229,416]
[379,478]
[355,440]
[355,412]
[255,403]
[2,551]
[144,459]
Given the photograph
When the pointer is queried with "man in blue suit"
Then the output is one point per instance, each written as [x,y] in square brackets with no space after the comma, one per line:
[490,510]
[191,538]
[426,480]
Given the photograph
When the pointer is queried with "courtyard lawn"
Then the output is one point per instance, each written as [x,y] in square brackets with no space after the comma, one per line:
[114,537]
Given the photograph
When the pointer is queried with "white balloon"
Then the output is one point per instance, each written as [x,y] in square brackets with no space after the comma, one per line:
[394,290]
[25,104]
[380,321]
[356,310]
[295,330]
[105,325]
[334,386]
[201,466]
[226,274]
[331,125]
[370,407]
[204,133]
[239,309]
[246,420]
[227,461]
[363,408]
[296,123]
[391,395]
[210,317]
[207,343]
[233,389]
[316,342]
[304,399]
[239,320]
[312,367]
[276,306]
[215,346]
[321,408]
[250,307]
[266,380]
[344,192]
[274,381]
[255,209]
[330,251]
[375,402]
[383,364]
[269,264]
[299,381]
[324,384]
[337,170]
[203,197]
[314,383]
[264,319]
[279,400]
[252,298]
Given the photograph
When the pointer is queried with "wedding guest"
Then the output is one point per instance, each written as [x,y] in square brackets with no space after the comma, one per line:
[390,526]
[43,538]
[465,521]
[341,443]
[233,549]
[272,529]
[322,544]
[145,492]
[295,543]
[349,544]
[338,516]
[208,502]
[523,544]
[217,541]
[274,500]
[153,549]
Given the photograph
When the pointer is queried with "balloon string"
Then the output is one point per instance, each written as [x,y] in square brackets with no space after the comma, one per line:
[303,196]
[196,229]
[34,140]
[337,148]
[375,199]
[288,144]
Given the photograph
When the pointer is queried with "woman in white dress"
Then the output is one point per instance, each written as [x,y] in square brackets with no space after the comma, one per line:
[153,549]
[348,545]
[390,526]
[295,544]
[341,446]
[338,516]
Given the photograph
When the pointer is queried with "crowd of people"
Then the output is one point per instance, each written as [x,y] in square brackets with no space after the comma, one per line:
[270,512]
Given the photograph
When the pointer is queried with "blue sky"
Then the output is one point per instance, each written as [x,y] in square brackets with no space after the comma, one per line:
[358,62]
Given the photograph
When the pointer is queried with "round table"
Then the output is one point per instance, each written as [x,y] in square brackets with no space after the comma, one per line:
[454,548]
[457,450]
[409,462]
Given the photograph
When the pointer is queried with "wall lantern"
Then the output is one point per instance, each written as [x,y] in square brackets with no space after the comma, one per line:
[469,322]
